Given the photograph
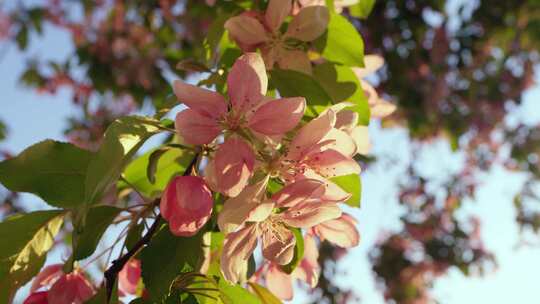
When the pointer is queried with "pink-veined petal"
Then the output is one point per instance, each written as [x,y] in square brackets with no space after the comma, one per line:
[341,232]
[360,135]
[195,128]
[278,116]
[278,243]
[333,193]
[295,60]
[186,204]
[309,24]
[276,12]
[305,190]
[340,141]
[237,248]
[47,276]
[233,166]
[205,102]
[309,270]
[279,283]
[310,134]
[129,277]
[239,209]
[246,30]
[307,215]
[331,163]
[247,82]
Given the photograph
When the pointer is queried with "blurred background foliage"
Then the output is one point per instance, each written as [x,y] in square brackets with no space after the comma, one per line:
[455,69]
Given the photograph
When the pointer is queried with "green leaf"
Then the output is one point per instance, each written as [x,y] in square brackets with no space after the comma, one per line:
[165,258]
[52,170]
[25,240]
[122,140]
[97,221]
[22,38]
[343,85]
[341,42]
[264,294]
[234,294]
[362,9]
[293,84]
[171,162]
[298,252]
[352,184]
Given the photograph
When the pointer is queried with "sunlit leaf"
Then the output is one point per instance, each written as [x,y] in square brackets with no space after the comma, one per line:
[52,170]
[352,184]
[97,221]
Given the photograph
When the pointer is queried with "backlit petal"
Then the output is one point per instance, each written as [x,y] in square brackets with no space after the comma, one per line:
[278,245]
[340,232]
[276,12]
[195,128]
[307,215]
[309,24]
[237,248]
[330,163]
[205,102]
[310,134]
[279,283]
[246,29]
[47,276]
[278,116]
[233,166]
[305,190]
[247,82]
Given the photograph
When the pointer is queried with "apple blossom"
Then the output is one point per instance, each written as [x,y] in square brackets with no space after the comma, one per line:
[379,107]
[340,232]
[208,114]
[71,288]
[251,215]
[186,204]
[252,30]
[339,5]
[39,297]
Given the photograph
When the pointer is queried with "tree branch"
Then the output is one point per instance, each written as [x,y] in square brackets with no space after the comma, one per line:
[117,265]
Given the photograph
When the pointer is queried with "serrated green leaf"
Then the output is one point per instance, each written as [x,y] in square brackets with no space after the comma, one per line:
[293,84]
[342,84]
[165,258]
[352,184]
[362,9]
[97,221]
[121,141]
[52,170]
[172,162]
[341,42]
[25,240]
[264,294]
[298,252]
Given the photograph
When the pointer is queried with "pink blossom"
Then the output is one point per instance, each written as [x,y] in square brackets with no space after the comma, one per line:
[251,215]
[320,151]
[186,204]
[379,107]
[339,5]
[347,121]
[72,288]
[208,112]
[231,167]
[47,277]
[281,283]
[341,232]
[252,31]
[129,277]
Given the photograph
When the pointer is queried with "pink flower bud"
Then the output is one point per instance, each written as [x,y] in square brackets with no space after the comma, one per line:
[186,204]
[129,277]
[71,288]
[39,297]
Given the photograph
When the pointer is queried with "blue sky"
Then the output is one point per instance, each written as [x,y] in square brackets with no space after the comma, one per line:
[31,117]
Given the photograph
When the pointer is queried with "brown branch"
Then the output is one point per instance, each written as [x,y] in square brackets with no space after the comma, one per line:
[117,265]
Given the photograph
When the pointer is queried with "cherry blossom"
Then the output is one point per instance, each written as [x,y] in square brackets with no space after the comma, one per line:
[252,30]
[186,204]
[251,215]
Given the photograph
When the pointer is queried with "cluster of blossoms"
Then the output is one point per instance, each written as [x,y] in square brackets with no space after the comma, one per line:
[250,141]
